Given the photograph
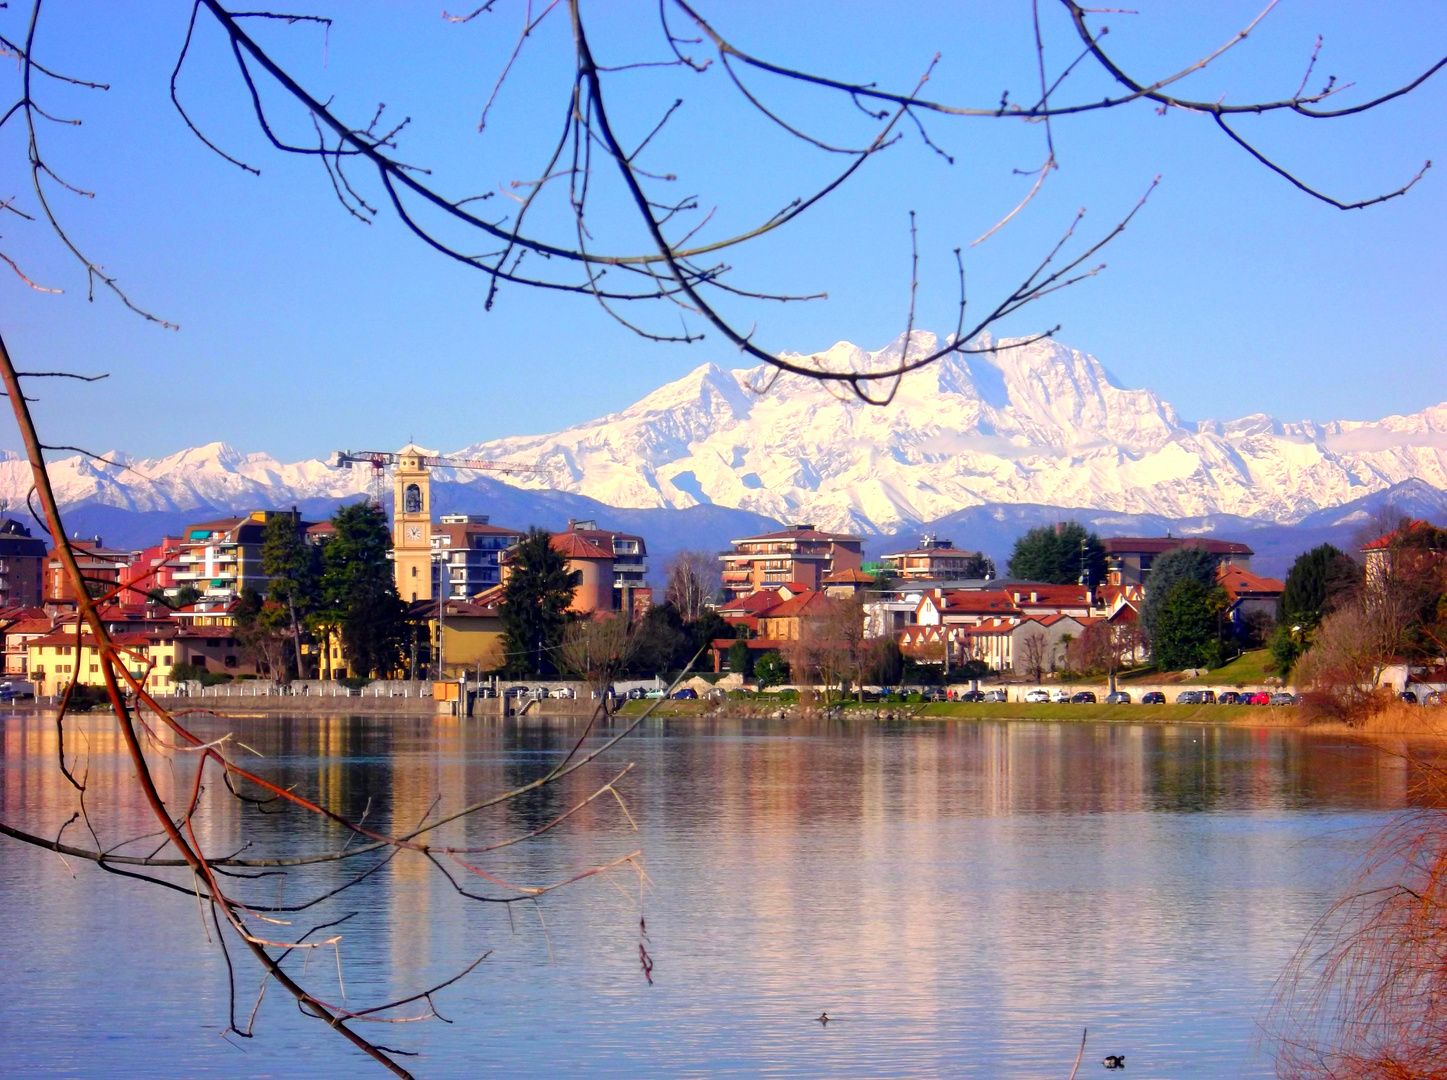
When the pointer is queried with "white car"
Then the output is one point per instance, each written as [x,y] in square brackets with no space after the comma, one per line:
[563,692]
[1061,697]
[1037,696]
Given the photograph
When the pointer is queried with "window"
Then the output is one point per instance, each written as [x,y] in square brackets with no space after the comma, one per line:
[414,574]
[212,642]
[412,499]
[230,661]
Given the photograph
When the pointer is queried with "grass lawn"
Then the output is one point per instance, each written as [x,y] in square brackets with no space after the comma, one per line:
[1247,669]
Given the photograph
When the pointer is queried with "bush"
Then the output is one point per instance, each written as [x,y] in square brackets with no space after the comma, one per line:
[84,697]
[355,682]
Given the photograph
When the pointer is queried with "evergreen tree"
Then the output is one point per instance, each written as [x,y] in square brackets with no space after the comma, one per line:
[1053,554]
[770,670]
[741,659]
[292,565]
[1181,564]
[358,590]
[1315,581]
[1188,626]
[535,603]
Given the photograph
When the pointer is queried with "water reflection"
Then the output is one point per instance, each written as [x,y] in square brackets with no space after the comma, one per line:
[960,897]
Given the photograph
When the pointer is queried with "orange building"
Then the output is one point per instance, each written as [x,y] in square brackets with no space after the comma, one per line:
[799,554]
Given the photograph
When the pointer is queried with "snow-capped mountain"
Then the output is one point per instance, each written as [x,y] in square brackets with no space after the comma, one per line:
[1016,423]
[1035,423]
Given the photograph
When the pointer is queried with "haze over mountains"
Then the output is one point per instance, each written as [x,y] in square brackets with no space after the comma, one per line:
[1036,424]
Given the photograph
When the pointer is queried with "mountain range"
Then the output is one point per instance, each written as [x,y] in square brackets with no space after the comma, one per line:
[975,445]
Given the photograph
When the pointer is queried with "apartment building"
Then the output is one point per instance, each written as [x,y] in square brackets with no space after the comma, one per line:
[468,550]
[800,555]
[22,566]
[151,569]
[220,558]
[932,560]
[1128,559]
[630,562]
[100,566]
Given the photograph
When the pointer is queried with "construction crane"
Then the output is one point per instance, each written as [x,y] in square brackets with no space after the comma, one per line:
[380,460]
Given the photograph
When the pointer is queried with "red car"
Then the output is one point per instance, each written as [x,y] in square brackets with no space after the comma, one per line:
[1261,697]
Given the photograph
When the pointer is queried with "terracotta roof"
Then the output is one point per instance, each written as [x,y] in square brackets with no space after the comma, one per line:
[845,577]
[959,601]
[1396,535]
[798,532]
[574,546]
[1237,581]
[1157,545]
[1051,620]
[753,603]
[806,603]
[1051,594]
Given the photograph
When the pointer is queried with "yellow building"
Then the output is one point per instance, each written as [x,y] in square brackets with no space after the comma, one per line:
[412,526]
[55,659]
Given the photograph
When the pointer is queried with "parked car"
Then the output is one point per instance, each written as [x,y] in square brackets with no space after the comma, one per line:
[997,695]
[1188,697]
[1408,696]
[1283,698]
[1208,697]
[1085,697]
[563,692]
[1228,697]
[635,693]
[1155,697]
[1120,697]
[515,691]
[971,695]
[1261,697]
[1061,697]
[688,693]
[654,692]
[1035,697]
[1434,697]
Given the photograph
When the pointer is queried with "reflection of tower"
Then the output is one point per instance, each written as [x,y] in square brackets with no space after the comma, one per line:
[412,525]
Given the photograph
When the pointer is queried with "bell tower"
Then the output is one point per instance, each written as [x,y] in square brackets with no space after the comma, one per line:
[412,526]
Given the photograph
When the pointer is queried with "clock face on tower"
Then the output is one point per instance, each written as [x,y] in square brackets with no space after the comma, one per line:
[414,533]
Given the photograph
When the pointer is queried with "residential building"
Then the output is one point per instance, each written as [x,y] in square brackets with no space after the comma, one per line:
[846,584]
[151,569]
[220,558]
[100,566]
[1128,559]
[1248,593]
[630,563]
[22,566]
[1426,541]
[20,626]
[56,659]
[800,553]
[932,560]
[469,550]
[472,635]
[592,566]
[786,621]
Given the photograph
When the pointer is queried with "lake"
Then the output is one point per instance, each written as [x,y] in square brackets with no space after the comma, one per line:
[961,898]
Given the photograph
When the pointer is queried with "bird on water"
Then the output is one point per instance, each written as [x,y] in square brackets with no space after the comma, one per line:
[824,1018]
[1114,1061]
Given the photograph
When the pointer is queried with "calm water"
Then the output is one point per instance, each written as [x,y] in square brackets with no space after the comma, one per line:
[961,898]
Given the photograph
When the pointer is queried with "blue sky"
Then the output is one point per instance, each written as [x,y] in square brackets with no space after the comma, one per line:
[303,331]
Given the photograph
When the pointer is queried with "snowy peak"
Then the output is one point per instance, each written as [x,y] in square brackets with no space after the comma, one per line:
[1005,421]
